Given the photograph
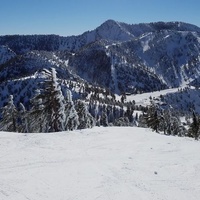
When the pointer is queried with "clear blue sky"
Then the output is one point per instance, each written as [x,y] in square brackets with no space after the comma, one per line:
[73,17]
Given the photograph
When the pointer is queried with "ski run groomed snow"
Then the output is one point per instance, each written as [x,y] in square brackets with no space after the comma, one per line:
[112,163]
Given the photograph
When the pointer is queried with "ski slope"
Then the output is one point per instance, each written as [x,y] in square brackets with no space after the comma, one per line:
[144,98]
[115,163]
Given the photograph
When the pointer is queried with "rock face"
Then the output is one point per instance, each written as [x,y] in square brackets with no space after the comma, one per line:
[117,56]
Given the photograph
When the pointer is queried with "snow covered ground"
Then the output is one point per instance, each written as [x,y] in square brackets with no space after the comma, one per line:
[144,99]
[101,163]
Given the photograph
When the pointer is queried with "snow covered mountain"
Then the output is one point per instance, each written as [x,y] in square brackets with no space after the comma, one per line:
[119,57]
[110,30]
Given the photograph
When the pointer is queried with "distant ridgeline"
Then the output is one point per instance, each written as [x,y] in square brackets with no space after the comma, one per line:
[114,59]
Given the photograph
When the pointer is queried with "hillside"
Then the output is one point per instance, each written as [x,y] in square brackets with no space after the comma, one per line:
[99,163]
[117,56]
[106,63]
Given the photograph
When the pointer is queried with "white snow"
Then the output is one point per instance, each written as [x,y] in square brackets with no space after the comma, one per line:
[67,62]
[144,98]
[145,39]
[145,45]
[115,163]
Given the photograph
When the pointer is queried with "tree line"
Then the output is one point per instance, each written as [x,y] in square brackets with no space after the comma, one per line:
[168,122]
[51,111]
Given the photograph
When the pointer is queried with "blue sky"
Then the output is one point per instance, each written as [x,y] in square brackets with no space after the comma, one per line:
[73,17]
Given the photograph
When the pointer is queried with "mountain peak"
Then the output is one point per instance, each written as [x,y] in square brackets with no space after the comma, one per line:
[113,30]
[110,21]
[109,24]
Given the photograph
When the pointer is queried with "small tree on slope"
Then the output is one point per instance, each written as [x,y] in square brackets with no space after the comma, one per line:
[152,118]
[58,105]
[51,107]
[194,129]
[37,114]
[9,117]
[71,122]
[85,118]
[24,119]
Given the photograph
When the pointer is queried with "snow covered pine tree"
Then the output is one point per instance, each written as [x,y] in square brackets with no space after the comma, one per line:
[24,119]
[85,118]
[51,107]
[37,114]
[9,116]
[71,122]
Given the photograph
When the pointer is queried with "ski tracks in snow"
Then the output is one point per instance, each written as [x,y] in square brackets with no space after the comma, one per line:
[100,163]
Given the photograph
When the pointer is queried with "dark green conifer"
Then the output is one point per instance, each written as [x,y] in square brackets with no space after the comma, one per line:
[193,130]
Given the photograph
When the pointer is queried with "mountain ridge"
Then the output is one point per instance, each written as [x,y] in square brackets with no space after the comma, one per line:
[124,32]
[119,57]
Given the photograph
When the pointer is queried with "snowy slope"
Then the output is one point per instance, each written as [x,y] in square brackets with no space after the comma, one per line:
[183,99]
[100,163]
[144,99]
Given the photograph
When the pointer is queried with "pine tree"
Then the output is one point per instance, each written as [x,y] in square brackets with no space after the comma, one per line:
[37,114]
[104,119]
[71,122]
[58,105]
[116,113]
[136,116]
[49,106]
[152,118]
[122,121]
[24,119]
[9,117]
[129,114]
[176,126]
[194,129]
[166,123]
[142,120]
[85,118]
[110,114]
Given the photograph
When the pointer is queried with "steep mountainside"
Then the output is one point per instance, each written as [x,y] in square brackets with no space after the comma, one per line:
[6,54]
[119,57]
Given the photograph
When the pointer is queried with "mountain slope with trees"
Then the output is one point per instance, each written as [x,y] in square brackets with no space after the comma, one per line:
[100,68]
